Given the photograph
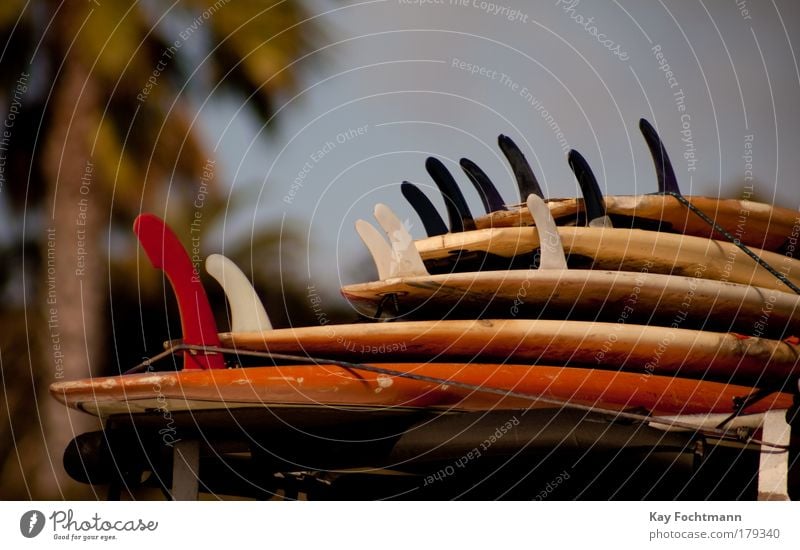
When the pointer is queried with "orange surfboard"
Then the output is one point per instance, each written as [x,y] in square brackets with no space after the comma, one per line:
[331,387]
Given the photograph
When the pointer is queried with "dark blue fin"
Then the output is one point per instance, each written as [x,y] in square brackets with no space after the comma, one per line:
[457,209]
[490,196]
[526,179]
[422,205]
[592,196]
[667,182]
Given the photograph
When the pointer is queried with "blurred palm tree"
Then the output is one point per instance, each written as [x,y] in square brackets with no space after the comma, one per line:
[100,127]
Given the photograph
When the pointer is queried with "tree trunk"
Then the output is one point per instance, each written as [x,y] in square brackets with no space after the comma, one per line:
[73,266]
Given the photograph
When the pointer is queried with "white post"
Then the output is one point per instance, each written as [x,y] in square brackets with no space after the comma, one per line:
[773,471]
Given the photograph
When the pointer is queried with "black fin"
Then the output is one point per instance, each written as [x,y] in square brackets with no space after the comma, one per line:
[592,196]
[422,205]
[526,179]
[490,196]
[667,182]
[457,209]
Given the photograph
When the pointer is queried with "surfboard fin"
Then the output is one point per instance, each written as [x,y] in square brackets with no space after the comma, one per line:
[526,179]
[247,311]
[667,182]
[406,260]
[431,220]
[166,252]
[490,196]
[552,250]
[592,196]
[457,209]
[378,248]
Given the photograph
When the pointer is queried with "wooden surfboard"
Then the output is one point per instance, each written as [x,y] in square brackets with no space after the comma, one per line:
[614,249]
[332,387]
[647,298]
[753,223]
[638,348]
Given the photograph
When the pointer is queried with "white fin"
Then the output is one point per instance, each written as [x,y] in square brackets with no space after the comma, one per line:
[407,261]
[247,311]
[379,249]
[552,251]
[602,221]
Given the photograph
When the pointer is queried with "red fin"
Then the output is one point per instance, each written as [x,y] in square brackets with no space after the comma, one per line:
[166,252]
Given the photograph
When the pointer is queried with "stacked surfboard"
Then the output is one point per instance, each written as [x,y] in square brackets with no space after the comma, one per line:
[647,290]
[645,327]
